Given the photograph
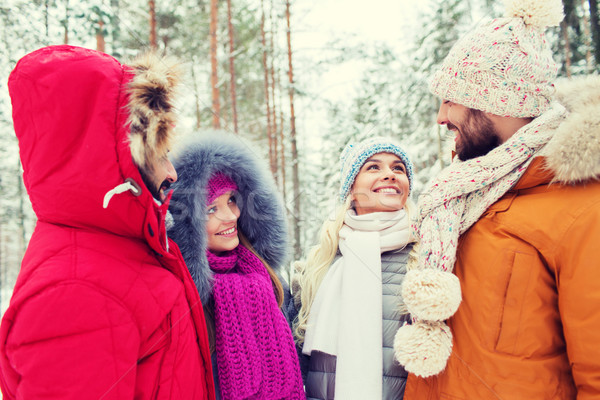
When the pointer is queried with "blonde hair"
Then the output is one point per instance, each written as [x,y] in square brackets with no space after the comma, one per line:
[311,272]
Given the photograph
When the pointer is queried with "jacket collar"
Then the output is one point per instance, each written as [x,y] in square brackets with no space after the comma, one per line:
[572,155]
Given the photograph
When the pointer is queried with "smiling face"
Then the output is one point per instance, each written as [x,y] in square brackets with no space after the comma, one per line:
[221,226]
[381,185]
[475,133]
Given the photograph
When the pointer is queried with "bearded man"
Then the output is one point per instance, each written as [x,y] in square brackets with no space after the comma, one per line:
[511,227]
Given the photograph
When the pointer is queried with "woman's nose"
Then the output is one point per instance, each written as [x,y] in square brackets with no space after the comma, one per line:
[227,215]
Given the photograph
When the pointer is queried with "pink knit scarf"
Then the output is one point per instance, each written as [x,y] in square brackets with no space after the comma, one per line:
[256,356]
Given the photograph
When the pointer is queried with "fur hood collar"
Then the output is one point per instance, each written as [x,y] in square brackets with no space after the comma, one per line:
[573,154]
[262,218]
[152,90]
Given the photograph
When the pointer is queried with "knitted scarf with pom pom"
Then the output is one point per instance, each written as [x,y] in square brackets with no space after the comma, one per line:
[256,356]
[451,204]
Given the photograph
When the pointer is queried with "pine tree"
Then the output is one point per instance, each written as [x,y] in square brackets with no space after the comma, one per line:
[152,19]
[595,26]
[232,68]
[294,148]
[216,103]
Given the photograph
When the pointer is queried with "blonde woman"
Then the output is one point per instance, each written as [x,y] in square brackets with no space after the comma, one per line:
[346,290]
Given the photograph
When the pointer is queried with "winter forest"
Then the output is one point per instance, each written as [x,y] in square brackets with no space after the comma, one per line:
[293,79]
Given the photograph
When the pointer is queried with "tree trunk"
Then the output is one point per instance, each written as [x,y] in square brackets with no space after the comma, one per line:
[274,109]
[588,39]
[440,142]
[166,39]
[282,165]
[282,158]
[5,268]
[196,95]
[100,43]
[272,162]
[21,193]
[152,7]
[294,149]
[46,16]
[66,23]
[595,29]
[116,29]
[214,77]
[232,68]
[564,27]
[2,256]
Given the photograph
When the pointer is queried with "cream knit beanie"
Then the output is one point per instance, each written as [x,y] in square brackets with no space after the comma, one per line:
[504,66]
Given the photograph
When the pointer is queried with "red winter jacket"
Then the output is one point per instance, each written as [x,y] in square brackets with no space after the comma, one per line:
[103,307]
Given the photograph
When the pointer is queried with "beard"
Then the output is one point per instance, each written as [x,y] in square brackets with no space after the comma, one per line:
[477,136]
[153,187]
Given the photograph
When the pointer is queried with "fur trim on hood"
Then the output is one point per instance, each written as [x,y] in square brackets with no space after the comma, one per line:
[152,113]
[573,154]
[262,219]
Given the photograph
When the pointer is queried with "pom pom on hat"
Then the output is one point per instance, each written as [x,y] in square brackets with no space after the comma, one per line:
[503,67]
[537,13]
[354,156]
[423,348]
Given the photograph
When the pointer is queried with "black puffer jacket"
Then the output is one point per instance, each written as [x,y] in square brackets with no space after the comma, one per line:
[319,368]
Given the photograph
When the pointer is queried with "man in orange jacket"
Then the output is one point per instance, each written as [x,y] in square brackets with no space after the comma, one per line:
[104,305]
[511,227]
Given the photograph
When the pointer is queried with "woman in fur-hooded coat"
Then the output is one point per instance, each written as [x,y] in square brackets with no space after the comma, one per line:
[252,346]
[104,306]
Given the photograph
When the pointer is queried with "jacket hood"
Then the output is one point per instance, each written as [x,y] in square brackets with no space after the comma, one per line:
[84,121]
[262,215]
[573,154]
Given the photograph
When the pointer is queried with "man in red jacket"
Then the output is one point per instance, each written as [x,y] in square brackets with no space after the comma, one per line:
[104,306]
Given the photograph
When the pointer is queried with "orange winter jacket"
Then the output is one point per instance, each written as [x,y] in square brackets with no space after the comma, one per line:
[528,326]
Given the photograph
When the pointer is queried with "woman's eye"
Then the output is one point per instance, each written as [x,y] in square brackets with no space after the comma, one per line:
[211,210]
[372,166]
[232,200]
[400,168]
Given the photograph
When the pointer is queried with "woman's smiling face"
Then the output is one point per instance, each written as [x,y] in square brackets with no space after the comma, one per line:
[221,226]
[380,185]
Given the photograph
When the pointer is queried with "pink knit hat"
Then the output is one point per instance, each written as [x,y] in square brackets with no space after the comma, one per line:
[504,66]
[217,185]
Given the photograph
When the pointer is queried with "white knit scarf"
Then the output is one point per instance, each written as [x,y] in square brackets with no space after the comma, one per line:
[346,316]
[453,202]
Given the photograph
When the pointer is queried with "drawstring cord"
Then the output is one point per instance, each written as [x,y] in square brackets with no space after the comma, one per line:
[123,187]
